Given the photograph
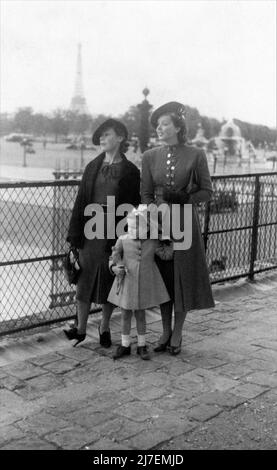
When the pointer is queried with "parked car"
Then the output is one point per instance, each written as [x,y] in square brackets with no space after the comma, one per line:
[17,137]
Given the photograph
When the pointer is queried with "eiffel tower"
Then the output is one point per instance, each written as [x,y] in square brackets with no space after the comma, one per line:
[78,101]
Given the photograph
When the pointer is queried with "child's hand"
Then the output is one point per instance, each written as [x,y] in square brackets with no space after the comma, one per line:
[119,270]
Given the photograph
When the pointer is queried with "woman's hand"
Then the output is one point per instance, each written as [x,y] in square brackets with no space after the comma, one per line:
[175,197]
[119,270]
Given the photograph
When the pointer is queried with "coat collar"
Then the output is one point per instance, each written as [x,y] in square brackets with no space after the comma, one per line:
[127,167]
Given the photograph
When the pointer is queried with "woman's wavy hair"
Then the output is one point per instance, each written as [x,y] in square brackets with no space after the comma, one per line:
[179,121]
[124,145]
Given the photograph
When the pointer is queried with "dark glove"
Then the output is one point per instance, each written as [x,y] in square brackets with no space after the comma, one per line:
[175,197]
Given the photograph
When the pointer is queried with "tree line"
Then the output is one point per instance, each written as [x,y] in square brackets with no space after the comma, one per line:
[63,123]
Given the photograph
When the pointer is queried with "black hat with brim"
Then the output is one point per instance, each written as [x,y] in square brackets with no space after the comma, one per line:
[167,108]
[110,123]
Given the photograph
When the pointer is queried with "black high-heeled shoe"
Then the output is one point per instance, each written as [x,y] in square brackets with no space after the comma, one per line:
[73,334]
[174,350]
[105,338]
[162,346]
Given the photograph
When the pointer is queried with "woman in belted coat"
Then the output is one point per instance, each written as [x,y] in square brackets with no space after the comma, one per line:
[109,174]
[178,173]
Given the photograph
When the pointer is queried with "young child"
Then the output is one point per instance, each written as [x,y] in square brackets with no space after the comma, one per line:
[138,284]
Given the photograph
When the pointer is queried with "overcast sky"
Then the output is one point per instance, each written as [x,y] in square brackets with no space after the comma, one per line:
[218,56]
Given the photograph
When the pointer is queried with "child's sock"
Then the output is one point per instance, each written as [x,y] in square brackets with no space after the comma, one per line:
[141,340]
[125,340]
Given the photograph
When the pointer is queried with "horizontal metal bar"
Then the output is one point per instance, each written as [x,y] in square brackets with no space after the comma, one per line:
[38,184]
[267,224]
[238,276]
[31,260]
[230,278]
[237,229]
[244,175]
[74,182]
[269,268]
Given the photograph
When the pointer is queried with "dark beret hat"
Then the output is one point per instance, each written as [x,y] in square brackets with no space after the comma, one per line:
[110,123]
[170,107]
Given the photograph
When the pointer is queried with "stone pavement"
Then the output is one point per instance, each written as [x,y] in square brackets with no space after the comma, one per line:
[219,393]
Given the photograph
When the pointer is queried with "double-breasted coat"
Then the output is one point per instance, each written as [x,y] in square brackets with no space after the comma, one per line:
[192,289]
[142,286]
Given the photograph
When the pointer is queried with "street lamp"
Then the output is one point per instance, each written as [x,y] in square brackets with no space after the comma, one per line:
[144,109]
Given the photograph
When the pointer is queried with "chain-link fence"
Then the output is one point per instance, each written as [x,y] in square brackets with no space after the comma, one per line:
[239,229]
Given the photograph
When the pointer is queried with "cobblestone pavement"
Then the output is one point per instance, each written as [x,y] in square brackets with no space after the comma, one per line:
[219,393]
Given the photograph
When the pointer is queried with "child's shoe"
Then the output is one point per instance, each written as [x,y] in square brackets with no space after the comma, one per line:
[122,351]
[142,351]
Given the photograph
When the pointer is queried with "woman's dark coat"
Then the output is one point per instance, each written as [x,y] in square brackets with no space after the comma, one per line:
[192,288]
[128,192]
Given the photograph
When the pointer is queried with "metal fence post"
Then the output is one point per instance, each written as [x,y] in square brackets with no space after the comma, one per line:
[255,227]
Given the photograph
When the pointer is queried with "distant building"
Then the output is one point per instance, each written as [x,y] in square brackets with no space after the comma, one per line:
[78,101]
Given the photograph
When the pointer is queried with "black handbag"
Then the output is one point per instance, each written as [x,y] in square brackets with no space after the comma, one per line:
[193,184]
[71,266]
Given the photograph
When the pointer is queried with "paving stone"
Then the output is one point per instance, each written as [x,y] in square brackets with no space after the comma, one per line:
[146,440]
[29,443]
[138,411]
[262,378]
[41,423]
[266,354]
[79,353]
[106,444]
[234,370]
[173,423]
[3,373]
[267,343]
[204,412]
[175,399]
[110,429]
[13,407]
[261,364]
[248,390]
[12,383]
[9,433]
[109,382]
[45,359]
[62,366]
[64,409]
[24,370]
[210,379]
[147,392]
[120,429]
[84,373]
[221,399]
[38,386]
[72,437]
[158,379]
[206,362]
[88,417]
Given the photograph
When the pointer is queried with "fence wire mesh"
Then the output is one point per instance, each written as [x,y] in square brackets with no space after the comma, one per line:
[239,227]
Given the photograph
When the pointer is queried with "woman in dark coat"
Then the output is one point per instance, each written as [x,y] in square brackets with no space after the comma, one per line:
[178,173]
[109,174]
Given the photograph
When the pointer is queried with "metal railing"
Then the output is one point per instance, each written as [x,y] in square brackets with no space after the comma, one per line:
[239,227]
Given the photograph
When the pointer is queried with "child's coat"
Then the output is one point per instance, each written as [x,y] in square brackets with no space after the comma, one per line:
[143,286]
